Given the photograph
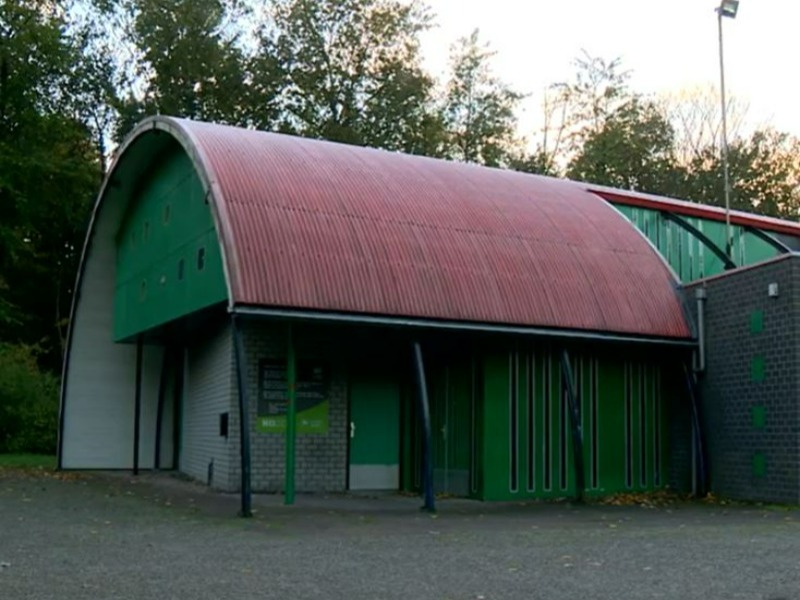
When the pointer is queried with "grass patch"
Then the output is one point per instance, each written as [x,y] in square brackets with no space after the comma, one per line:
[28,461]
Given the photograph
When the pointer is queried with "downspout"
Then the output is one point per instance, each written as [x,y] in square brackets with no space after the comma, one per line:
[244,420]
[425,415]
[700,295]
[575,420]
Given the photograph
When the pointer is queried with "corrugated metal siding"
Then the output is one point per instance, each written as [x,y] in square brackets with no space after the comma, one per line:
[316,225]
[694,209]
[101,375]
[209,392]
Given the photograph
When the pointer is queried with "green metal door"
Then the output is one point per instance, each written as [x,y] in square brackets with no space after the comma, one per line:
[374,434]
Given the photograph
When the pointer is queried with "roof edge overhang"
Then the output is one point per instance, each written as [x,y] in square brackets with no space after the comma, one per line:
[691,209]
[422,324]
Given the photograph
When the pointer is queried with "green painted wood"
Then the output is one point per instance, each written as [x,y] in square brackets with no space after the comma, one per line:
[611,426]
[495,438]
[375,412]
[756,321]
[759,415]
[167,225]
[757,369]
[291,416]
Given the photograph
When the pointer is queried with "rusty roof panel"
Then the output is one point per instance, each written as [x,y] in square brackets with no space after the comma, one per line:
[324,226]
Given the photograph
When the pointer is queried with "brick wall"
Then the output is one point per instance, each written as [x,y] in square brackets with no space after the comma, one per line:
[750,386]
[321,459]
[209,391]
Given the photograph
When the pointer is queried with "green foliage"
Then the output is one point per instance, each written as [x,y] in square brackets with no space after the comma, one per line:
[44,462]
[28,403]
[351,72]
[48,175]
[480,109]
[632,149]
[764,174]
[190,63]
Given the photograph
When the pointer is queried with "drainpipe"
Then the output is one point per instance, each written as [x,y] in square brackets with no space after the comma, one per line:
[701,295]
[425,415]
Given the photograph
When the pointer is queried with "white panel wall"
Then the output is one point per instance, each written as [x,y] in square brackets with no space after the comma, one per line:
[99,383]
[209,391]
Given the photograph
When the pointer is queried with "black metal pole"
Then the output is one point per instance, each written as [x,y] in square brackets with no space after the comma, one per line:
[177,400]
[575,420]
[137,417]
[244,419]
[162,392]
[694,402]
[425,415]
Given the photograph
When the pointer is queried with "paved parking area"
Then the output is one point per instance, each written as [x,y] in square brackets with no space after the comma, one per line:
[113,536]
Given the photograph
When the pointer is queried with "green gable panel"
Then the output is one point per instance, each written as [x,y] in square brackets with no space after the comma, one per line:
[685,253]
[169,262]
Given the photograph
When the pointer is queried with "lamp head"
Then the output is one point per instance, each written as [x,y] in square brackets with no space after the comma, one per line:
[728,8]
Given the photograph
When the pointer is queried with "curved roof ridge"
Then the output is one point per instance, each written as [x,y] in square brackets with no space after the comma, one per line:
[317,225]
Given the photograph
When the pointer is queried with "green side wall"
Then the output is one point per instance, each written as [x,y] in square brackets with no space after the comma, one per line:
[501,429]
[687,255]
[168,222]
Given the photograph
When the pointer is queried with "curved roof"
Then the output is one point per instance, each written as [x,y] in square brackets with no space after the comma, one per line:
[314,225]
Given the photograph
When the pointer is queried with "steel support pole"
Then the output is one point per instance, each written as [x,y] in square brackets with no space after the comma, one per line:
[725,174]
[425,415]
[291,416]
[137,416]
[244,420]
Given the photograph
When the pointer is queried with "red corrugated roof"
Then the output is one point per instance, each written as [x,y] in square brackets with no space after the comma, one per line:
[693,209]
[317,225]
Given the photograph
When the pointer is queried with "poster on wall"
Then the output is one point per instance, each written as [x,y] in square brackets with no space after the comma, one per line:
[312,396]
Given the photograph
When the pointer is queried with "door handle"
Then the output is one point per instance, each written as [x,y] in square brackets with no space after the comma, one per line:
[352,430]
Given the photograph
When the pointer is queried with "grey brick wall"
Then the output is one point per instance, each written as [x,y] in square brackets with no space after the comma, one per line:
[321,459]
[209,390]
[752,372]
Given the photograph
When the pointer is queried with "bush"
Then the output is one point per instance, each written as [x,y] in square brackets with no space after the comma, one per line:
[28,403]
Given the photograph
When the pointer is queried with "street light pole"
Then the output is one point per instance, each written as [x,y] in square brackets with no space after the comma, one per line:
[727,8]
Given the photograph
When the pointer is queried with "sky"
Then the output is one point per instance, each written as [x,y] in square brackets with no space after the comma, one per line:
[668,46]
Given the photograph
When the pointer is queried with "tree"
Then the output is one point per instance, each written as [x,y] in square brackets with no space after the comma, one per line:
[190,64]
[764,174]
[352,72]
[696,117]
[632,149]
[479,108]
[48,174]
[575,110]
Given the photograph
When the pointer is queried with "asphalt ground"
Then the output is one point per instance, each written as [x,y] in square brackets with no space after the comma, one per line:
[114,536]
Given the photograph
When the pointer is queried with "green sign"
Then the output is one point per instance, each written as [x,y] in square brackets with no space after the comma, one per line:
[312,397]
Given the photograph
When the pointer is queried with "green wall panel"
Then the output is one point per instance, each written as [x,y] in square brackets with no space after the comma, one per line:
[159,274]
[526,427]
[689,257]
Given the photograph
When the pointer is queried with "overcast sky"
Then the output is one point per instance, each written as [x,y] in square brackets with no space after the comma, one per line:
[668,45]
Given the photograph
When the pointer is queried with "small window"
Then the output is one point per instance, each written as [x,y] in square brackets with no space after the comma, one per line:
[167,213]
[181,268]
[146,231]
[143,290]
[201,259]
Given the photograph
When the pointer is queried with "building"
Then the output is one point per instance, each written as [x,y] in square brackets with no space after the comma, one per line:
[433,325]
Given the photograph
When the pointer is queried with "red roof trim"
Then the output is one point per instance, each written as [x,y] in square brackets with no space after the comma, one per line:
[703,211]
